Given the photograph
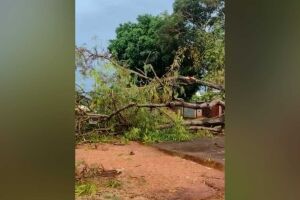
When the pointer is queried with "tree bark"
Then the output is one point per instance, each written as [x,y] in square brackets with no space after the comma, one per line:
[215,129]
[192,80]
[206,122]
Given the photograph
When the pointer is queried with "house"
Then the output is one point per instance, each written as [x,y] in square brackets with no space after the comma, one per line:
[194,113]
[217,108]
[191,113]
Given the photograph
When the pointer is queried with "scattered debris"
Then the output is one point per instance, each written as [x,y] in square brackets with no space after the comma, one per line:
[84,171]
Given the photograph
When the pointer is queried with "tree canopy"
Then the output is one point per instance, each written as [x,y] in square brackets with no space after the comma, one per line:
[195,25]
[138,44]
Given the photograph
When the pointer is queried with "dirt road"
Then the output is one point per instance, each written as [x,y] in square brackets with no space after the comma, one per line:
[148,173]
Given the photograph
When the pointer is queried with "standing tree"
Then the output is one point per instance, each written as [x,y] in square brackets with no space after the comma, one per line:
[137,44]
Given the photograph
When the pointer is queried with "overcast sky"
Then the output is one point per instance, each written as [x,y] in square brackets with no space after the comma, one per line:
[100,18]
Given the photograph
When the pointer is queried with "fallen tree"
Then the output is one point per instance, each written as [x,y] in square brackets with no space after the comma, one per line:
[119,106]
[198,124]
[193,80]
[206,122]
[216,129]
[89,56]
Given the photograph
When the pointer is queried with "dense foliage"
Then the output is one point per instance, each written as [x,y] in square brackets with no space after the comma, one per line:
[196,25]
[111,93]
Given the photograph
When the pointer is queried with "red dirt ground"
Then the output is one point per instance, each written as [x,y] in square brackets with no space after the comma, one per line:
[148,173]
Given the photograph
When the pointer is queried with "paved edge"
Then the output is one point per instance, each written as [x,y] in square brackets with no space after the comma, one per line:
[200,160]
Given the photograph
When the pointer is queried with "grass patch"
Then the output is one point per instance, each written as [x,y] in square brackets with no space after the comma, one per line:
[203,133]
[113,183]
[178,133]
[85,189]
[154,136]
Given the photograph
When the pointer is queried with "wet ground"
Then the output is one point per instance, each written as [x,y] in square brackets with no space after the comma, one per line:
[206,151]
[151,174]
